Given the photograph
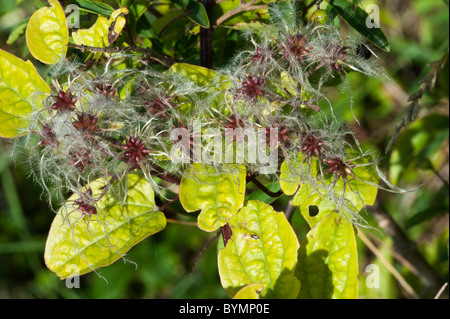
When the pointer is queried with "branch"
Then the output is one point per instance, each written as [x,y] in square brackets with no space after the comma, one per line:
[252,178]
[164,206]
[241,8]
[427,85]
[163,174]
[408,289]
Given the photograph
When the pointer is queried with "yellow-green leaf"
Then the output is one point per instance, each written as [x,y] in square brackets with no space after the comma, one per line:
[219,194]
[99,35]
[252,291]
[47,34]
[200,75]
[125,215]
[328,261]
[317,195]
[262,250]
[21,87]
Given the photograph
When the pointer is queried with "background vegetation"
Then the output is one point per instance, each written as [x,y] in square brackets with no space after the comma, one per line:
[164,267]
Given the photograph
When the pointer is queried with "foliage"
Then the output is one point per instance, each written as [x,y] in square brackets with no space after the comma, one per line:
[126,112]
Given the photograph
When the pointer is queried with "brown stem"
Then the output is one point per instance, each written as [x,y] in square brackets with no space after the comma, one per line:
[164,206]
[200,253]
[163,174]
[267,191]
[205,38]
[241,8]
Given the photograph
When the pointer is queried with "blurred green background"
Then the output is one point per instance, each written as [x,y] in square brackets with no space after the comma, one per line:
[173,264]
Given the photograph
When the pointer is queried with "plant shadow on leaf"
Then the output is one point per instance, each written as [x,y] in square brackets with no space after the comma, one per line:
[315,275]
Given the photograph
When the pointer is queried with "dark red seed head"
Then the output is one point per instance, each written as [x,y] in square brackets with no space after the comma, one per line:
[253,87]
[337,167]
[234,123]
[64,101]
[81,159]
[158,105]
[283,136]
[312,145]
[105,89]
[86,123]
[84,203]
[297,46]
[135,151]
[48,137]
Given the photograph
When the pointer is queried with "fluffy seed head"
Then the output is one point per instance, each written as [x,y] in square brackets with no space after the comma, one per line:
[135,151]
[312,145]
[86,123]
[64,101]
[84,203]
[253,87]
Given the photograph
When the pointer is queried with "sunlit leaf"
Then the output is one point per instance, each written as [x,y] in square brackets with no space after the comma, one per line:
[125,215]
[252,291]
[219,194]
[47,34]
[20,89]
[328,261]
[197,74]
[317,196]
[263,250]
[100,35]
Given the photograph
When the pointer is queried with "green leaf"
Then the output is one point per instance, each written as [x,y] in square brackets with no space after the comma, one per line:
[252,291]
[328,261]
[126,214]
[199,75]
[196,12]
[357,19]
[19,30]
[99,34]
[47,34]
[317,196]
[20,90]
[219,194]
[262,250]
[426,214]
[418,144]
[96,7]
[137,9]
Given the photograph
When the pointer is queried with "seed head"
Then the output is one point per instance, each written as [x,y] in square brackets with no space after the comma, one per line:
[105,89]
[159,105]
[84,203]
[64,101]
[337,167]
[48,137]
[135,151]
[253,87]
[312,145]
[296,46]
[234,123]
[86,123]
[81,159]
